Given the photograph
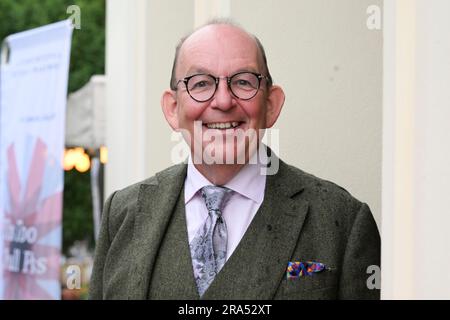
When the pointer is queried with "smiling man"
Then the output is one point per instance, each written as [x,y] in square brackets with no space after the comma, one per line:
[232,93]
[220,226]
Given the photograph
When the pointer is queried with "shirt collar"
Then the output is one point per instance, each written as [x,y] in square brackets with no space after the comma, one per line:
[249,182]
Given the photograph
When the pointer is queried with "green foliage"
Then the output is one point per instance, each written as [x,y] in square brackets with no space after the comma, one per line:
[87,59]
[77,213]
[88,43]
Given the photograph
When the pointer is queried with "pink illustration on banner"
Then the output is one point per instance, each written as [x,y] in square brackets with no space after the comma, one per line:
[30,263]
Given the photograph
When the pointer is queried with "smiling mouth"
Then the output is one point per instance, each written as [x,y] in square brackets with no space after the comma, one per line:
[223,125]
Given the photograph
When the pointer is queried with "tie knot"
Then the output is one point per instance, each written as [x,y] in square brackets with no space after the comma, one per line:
[215,197]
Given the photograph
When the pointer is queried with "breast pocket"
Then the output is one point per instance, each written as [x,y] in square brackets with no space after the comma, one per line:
[317,286]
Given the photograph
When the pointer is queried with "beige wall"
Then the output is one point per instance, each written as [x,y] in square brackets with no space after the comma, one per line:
[416,150]
[321,52]
[140,39]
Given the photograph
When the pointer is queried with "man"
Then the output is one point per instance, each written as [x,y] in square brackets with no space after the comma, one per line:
[220,228]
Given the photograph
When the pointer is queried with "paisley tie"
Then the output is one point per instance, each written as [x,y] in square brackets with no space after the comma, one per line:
[209,246]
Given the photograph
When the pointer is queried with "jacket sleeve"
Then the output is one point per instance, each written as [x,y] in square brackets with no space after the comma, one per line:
[101,252]
[362,251]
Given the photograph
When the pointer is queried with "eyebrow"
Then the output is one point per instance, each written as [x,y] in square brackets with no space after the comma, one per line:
[201,70]
[197,70]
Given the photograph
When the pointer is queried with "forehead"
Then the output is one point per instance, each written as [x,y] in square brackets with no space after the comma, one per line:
[219,49]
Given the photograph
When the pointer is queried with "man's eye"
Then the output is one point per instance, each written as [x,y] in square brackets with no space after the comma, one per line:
[200,84]
[242,82]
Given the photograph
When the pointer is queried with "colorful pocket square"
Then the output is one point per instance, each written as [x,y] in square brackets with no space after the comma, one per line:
[298,269]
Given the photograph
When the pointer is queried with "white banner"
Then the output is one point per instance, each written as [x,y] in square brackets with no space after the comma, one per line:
[33,92]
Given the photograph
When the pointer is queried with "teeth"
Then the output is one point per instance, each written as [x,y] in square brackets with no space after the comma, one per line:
[223,125]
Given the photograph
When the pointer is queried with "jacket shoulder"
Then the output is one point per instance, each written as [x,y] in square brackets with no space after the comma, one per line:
[319,186]
[326,198]
[129,194]
[124,202]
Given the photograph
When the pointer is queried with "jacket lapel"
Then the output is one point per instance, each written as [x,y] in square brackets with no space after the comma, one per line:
[156,202]
[172,275]
[258,264]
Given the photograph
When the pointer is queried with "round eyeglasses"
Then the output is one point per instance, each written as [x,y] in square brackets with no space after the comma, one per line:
[243,85]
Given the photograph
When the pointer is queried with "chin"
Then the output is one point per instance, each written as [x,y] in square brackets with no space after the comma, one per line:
[230,153]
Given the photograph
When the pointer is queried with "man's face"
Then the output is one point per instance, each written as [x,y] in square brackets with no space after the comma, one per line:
[222,51]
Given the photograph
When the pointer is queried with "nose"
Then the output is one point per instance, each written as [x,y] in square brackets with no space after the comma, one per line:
[223,98]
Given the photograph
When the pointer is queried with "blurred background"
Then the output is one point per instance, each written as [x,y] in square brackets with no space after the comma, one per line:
[87,59]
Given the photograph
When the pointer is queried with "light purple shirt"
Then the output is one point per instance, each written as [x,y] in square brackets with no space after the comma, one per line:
[248,186]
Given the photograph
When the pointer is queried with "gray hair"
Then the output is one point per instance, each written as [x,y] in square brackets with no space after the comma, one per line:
[219,21]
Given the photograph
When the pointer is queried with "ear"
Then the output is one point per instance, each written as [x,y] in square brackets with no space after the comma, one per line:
[170,108]
[275,101]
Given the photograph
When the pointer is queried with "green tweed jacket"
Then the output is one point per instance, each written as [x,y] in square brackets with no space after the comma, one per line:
[143,252]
